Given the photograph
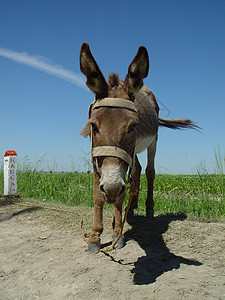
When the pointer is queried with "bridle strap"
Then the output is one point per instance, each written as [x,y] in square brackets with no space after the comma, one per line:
[115,102]
[112,151]
[106,102]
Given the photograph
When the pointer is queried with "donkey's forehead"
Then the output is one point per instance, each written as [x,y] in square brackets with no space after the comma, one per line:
[118,92]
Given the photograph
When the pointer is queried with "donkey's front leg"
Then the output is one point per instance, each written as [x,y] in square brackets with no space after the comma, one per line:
[117,224]
[97,226]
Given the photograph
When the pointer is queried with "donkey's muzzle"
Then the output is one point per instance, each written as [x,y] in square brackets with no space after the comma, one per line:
[113,192]
[112,183]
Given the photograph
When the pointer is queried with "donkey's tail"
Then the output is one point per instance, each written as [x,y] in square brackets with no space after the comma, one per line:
[178,123]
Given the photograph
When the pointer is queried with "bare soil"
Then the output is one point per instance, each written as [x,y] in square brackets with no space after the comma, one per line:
[43,256]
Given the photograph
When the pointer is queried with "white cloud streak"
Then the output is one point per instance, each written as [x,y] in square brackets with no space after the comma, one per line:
[44,65]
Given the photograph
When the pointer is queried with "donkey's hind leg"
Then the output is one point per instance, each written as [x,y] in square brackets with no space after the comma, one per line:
[135,187]
[150,174]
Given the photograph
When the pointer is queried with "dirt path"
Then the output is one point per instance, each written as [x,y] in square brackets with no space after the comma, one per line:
[42,256]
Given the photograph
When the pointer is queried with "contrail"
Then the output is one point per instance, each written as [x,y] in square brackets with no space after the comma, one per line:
[44,65]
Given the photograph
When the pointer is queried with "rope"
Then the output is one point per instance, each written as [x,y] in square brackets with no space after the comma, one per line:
[38,206]
[114,246]
[86,235]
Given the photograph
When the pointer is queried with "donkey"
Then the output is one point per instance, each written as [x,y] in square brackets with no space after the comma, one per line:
[123,121]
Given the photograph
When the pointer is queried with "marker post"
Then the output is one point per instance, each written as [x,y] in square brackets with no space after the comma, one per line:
[10,165]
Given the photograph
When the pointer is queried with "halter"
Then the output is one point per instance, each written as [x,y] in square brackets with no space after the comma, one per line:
[109,150]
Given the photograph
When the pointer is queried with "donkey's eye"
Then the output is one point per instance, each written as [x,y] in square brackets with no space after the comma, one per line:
[132,127]
[95,128]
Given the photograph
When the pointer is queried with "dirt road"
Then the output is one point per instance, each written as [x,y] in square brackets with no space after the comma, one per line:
[43,256]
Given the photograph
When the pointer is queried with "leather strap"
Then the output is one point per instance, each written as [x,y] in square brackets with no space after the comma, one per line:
[106,102]
[115,102]
[112,151]
[109,150]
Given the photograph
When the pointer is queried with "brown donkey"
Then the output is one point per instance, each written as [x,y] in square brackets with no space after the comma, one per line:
[123,121]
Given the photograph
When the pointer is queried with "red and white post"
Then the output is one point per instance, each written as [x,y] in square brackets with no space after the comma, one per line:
[10,165]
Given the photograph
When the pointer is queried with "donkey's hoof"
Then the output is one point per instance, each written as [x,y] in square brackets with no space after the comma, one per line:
[120,243]
[150,214]
[93,248]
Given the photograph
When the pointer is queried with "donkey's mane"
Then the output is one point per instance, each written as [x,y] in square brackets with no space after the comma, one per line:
[113,80]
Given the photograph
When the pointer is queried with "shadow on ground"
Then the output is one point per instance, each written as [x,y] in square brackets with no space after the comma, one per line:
[158,259]
[9,214]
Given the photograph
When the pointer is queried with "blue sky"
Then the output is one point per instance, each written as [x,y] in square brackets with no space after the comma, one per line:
[43,98]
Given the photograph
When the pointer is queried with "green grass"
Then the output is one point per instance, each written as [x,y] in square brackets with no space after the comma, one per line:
[198,196]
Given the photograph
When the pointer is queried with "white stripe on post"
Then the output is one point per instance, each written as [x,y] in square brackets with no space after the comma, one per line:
[10,165]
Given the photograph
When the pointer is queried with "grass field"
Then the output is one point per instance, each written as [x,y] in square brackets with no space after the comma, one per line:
[198,196]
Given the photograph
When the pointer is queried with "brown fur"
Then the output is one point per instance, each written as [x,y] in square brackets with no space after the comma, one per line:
[115,127]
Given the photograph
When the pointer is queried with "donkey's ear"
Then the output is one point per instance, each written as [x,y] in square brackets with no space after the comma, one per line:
[137,71]
[95,79]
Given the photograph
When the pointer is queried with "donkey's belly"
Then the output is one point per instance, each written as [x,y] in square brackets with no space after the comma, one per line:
[143,143]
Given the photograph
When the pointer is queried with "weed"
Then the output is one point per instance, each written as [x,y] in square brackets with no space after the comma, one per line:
[199,196]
